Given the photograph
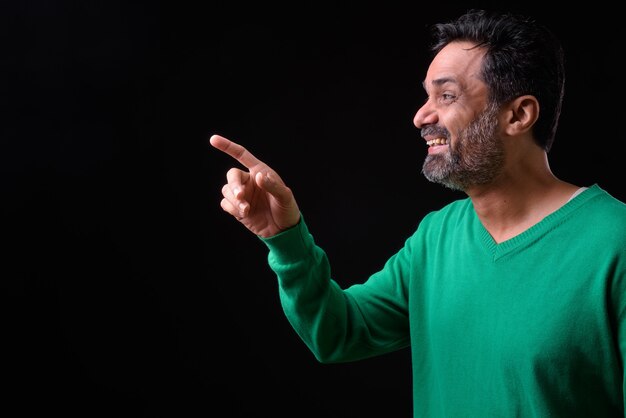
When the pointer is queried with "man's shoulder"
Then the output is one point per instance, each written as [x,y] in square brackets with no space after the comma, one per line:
[604,203]
[455,207]
[453,213]
[602,213]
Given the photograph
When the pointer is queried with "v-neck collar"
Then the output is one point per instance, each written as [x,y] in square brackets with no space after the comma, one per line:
[536,231]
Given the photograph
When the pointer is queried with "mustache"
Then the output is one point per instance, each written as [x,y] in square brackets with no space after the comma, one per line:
[435,130]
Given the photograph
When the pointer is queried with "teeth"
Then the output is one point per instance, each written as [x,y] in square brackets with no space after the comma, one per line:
[437,141]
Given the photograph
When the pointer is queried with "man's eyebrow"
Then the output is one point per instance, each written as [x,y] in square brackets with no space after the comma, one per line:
[440,81]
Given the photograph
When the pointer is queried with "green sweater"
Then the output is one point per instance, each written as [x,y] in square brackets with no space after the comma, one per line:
[532,327]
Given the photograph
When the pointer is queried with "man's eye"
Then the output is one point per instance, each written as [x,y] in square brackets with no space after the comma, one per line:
[448,96]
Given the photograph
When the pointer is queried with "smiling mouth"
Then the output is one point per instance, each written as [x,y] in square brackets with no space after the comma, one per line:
[437,141]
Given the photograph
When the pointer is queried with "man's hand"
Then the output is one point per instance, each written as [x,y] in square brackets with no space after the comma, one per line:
[258,197]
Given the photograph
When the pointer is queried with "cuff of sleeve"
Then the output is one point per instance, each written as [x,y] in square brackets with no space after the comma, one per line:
[290,245]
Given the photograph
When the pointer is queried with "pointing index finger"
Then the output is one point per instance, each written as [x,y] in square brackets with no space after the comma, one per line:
[235,150]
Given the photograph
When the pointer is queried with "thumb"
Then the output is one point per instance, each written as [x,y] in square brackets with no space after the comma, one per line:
[269,182]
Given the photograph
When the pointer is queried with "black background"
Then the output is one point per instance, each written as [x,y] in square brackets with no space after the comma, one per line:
[127,291]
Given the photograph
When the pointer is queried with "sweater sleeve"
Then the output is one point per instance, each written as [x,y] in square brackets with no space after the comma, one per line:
[338,325]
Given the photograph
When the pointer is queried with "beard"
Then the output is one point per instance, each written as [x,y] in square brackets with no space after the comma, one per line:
[475,158]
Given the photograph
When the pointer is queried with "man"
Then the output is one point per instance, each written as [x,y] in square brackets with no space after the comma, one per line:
[512,300]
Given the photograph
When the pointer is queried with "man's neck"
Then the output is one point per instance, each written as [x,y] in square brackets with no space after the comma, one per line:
[507,209]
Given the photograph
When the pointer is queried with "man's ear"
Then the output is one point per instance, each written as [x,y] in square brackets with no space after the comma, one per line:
[520,115]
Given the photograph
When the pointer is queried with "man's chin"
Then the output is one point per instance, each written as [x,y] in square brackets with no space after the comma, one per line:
[435,169]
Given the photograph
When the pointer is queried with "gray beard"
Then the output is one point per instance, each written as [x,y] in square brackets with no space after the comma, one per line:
[475,158]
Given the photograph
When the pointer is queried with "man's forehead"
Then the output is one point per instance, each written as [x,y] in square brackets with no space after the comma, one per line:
[456,63]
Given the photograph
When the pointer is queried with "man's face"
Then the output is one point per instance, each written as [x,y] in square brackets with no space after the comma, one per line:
[458,124]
